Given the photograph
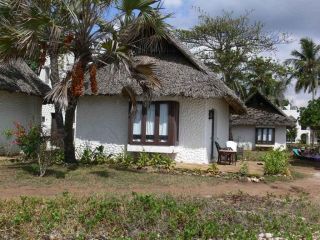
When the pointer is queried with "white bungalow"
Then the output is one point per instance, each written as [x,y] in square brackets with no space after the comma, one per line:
[21,95]
[264,126]
[187,114]
[301,130]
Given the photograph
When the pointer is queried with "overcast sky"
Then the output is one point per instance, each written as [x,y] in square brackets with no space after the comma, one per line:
[300,18]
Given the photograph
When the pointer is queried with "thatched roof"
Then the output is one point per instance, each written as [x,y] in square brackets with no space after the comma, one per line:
[16,76]
[262,112]
[180,73]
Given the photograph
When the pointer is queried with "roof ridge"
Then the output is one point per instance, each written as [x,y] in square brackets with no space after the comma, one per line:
[267,100]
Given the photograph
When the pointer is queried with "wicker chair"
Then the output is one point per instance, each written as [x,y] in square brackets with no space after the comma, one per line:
[224,153]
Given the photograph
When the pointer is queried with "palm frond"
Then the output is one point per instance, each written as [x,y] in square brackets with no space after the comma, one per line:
[128,92]
[59,92]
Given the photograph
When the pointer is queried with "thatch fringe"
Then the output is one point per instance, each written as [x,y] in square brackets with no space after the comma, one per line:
[16,76]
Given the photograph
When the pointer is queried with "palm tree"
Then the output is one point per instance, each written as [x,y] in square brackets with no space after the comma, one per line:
[268,77]
[307,66]
[30,28]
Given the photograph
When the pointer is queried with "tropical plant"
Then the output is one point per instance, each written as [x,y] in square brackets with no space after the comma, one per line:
[268,77]
[306,63]
[40,28]
[93,156]
[310,116]
[28,139]
[291,134]
[276,162]
[244,168]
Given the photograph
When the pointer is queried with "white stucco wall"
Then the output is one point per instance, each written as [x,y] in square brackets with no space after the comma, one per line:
[280,138]
[245,136]
[295,113]
[103,120]
[16,107]
[47,111]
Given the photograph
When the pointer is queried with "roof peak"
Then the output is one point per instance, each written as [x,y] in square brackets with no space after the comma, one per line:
[266,99]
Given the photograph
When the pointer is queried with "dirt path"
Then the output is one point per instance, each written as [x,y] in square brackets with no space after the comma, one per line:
[309,185]
[10,187]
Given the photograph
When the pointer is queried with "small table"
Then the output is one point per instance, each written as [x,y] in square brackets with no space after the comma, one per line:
[229,154]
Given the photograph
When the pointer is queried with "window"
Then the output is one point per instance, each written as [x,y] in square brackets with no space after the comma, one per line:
[156,124]
[265,136]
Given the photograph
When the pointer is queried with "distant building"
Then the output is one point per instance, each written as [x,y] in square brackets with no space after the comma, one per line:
[264,125]
[301,130]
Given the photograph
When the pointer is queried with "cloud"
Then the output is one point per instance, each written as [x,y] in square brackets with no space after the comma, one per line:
[300,18]
[173,3]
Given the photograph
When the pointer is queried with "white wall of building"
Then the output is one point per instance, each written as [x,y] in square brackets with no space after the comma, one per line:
[245,136]
[16,107]
[103,120]
[280,138]
[295,113]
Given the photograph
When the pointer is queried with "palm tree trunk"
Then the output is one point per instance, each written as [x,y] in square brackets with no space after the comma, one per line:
[55,79]
[69,148]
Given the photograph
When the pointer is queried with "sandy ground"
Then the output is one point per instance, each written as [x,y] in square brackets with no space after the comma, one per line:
[309,185]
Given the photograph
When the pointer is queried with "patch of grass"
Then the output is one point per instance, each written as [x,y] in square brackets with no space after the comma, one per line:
[21,174]
[148,217]
[254,155]
[295,175]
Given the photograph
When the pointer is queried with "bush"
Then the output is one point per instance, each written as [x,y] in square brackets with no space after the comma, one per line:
[93,156]
[244,169]
[156,160]
[143,160]
[123,160]
[34,146]
[29,140]
[276,162]
[213,169]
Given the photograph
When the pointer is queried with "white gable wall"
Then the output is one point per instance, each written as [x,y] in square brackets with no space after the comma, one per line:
[103,120]
[16,107]
[245,136]
[295,113]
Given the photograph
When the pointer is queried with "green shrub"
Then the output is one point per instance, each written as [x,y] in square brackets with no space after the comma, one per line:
[143,160]
[28,139]
[93,156]
[213,168]
[156,160]
[161,161]
[123,160]
[244,169]
[276,162]
[57,156]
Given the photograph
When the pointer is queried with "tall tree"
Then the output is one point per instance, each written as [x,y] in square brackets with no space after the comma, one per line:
[306,63]
[310,116]
[88,36]
[269,77]
[226,43]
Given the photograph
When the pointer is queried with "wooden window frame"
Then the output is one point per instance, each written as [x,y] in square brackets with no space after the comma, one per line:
[173,125]
[272,142]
